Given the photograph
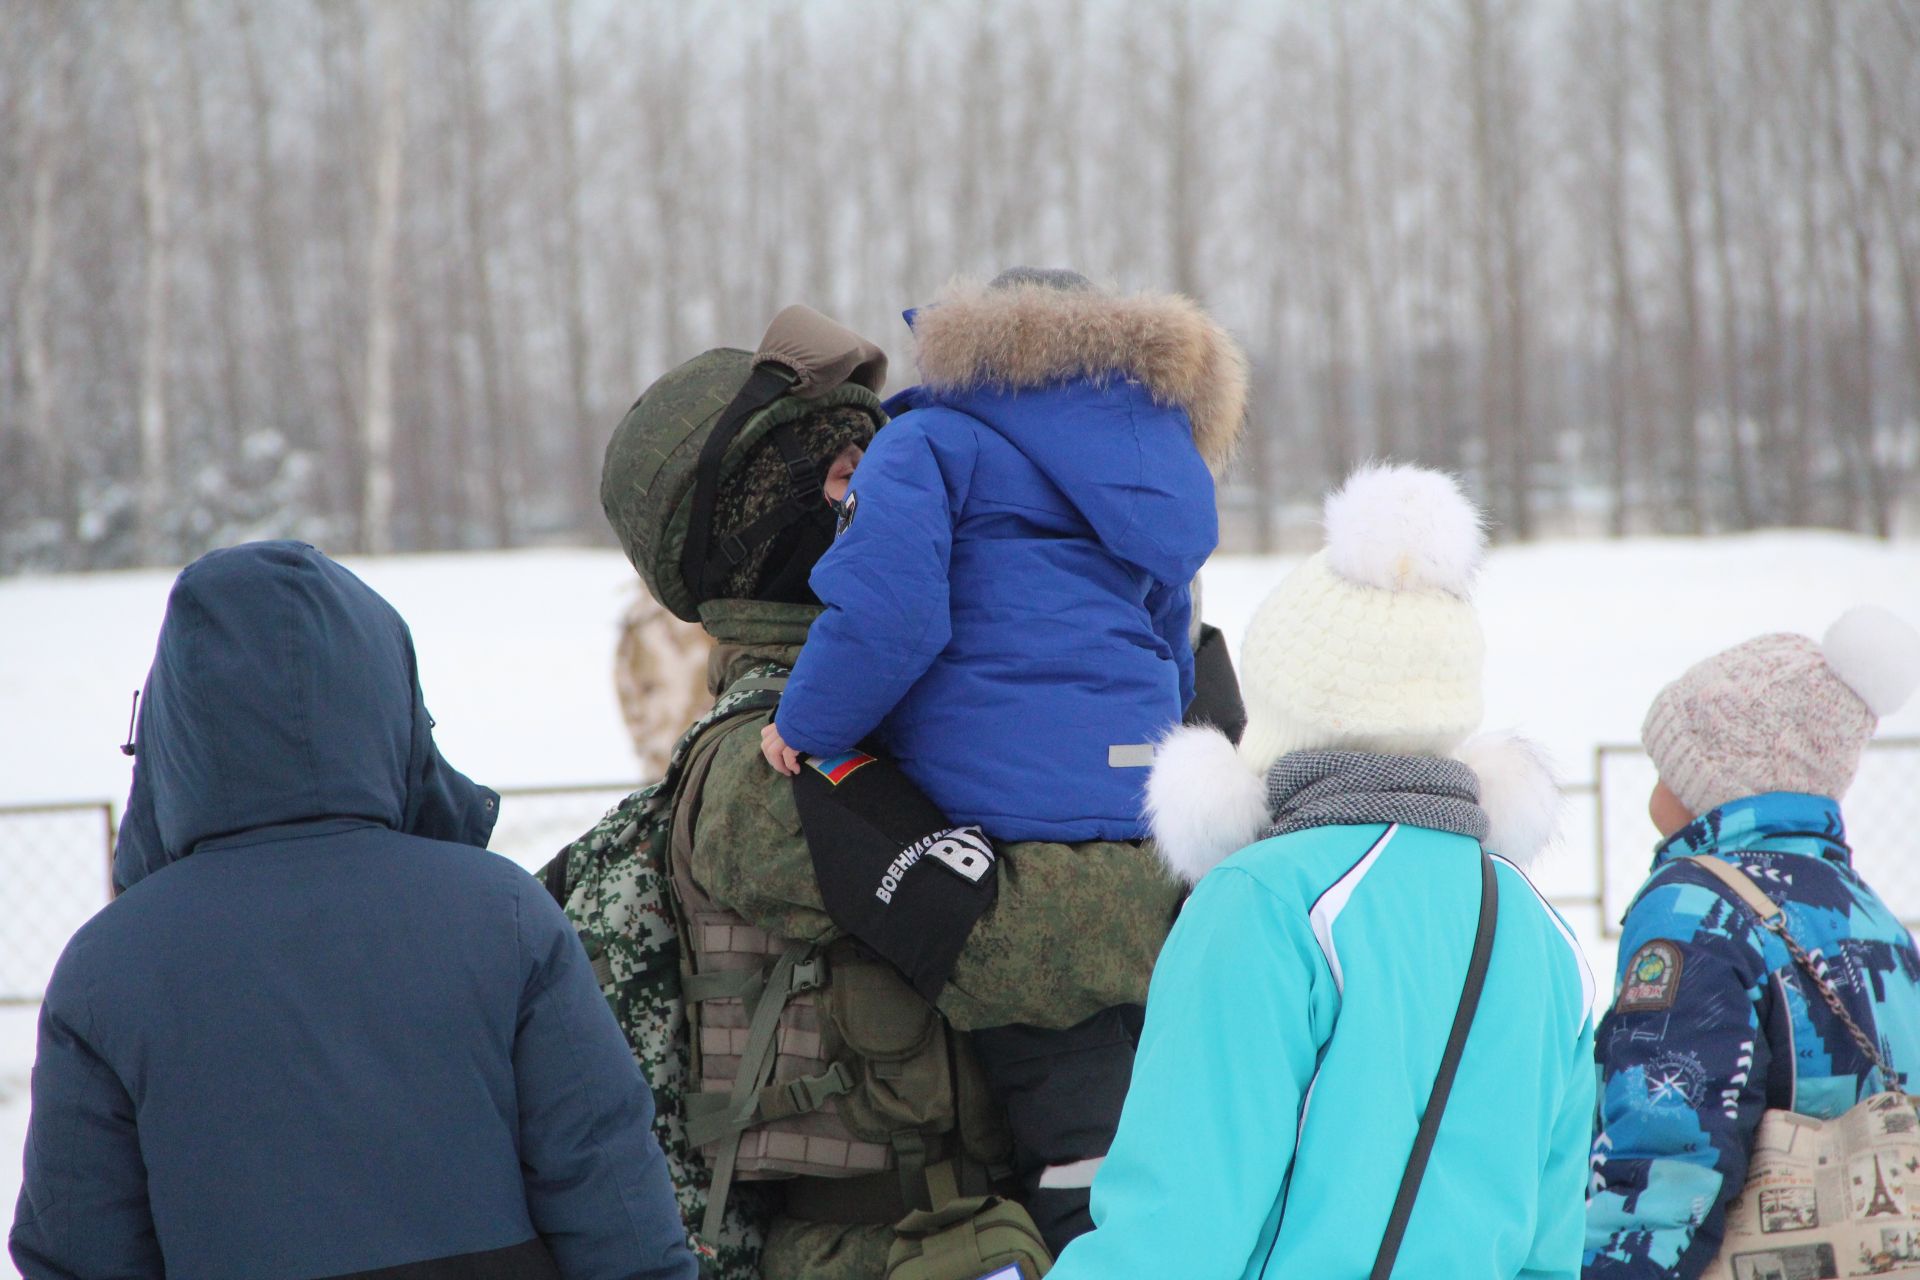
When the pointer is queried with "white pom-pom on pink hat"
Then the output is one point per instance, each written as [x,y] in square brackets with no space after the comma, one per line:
[1875,654]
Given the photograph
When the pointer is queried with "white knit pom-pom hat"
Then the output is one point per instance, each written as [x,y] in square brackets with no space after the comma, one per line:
[1780,712]
[1372,644]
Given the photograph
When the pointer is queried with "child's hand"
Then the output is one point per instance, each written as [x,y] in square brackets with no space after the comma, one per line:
[781,756]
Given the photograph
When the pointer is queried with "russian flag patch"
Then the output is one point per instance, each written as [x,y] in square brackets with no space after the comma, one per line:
[836,769]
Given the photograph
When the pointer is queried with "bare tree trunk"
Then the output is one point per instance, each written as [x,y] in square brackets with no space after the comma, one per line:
[1348,265]
[216,246]
[1731,357]
[912,271]
[584,430]
[1676,72]
[1770,170]
[1500,265]
[156,198]
[504,466]
[1072,162]
[391,32]
[1771,362]
[1382,265]
[1624,366]
[1265,425]
[48,144]
[1889,135]
[659,101]
[1898,214]
[1450,304]
[1516,291]
[1871,485]
[1186,179]
[1813,276]
[291,388]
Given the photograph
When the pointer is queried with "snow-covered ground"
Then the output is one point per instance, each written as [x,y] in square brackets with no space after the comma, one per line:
[515,655]
[516,650]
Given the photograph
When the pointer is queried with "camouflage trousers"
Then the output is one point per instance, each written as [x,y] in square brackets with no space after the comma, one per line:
[799,1250]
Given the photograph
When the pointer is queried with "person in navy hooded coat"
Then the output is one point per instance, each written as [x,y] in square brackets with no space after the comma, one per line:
[1008,602]
[321,1032]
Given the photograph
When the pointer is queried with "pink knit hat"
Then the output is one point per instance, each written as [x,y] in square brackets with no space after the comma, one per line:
[1781,713]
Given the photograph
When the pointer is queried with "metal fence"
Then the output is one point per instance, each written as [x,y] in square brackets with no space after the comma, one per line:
[54,858]
[56,866]
[1882,812]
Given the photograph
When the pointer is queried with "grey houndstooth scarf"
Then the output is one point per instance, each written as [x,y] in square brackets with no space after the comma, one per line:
[1352,788]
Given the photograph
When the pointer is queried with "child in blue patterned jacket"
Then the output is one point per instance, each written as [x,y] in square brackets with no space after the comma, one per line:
[1711,1023]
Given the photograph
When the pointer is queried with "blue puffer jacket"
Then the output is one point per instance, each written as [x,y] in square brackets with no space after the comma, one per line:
[1712,1024]
[321,1032]
[1008,604]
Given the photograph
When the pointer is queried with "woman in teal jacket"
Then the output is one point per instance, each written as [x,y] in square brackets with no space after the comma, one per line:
[1299,1012]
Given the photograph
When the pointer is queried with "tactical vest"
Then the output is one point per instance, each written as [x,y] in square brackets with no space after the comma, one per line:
[816,1064]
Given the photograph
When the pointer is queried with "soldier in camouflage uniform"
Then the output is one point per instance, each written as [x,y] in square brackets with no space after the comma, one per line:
[630,937]
[1075,929]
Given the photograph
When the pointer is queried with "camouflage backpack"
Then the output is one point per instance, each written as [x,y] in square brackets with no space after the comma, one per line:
[816,1062]
[613,884]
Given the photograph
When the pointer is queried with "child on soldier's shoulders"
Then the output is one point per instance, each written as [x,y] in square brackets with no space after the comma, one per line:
[1008,609]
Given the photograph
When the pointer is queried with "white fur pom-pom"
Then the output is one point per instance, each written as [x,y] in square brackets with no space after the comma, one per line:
[1876,654]
[1203,803]
[1519,791]
[1401,528]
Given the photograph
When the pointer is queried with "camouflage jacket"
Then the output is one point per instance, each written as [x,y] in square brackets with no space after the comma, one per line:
[617,895]
[1076,927]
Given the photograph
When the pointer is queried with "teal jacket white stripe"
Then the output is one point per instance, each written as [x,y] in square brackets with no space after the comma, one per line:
[1296,1019]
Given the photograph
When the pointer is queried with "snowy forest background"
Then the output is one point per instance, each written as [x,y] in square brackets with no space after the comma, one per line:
[383,273]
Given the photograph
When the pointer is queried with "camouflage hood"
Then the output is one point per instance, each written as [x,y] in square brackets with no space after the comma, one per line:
[647,480]
[752,633]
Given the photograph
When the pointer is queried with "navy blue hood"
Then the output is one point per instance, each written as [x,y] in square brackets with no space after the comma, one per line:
[284,690]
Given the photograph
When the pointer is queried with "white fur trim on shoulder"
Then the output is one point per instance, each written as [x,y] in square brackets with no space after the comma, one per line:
[1519,791]
[1401,528]
[1203,803]
[1876,654]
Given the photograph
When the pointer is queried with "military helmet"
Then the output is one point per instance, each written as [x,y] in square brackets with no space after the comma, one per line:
[696,426]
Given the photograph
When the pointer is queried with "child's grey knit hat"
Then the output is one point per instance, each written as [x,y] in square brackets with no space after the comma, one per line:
[1780,712]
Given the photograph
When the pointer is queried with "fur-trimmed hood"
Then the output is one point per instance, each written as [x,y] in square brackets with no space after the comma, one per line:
[1024,336]
[1205,804]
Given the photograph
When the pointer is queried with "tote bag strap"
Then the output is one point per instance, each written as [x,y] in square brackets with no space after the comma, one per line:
[1774,918]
